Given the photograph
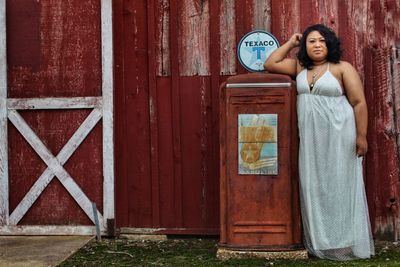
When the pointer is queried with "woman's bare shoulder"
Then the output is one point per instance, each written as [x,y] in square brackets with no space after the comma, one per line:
[341,67]
[344,65]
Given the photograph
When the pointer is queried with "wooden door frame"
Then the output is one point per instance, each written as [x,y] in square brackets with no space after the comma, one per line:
[102,109]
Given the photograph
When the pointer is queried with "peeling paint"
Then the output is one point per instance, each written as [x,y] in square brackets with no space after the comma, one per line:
[227,38]
[195,38]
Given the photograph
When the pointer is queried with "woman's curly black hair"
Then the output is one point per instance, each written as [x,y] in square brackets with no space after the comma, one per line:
[332,44]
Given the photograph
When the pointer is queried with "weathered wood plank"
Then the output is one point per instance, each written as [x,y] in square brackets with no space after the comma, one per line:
[166,152]
[244,23]
[227,38]
[382,19]
[395,90]
[162,38]
[353,23]
[108,109]
[194,32]
[193,138]
[223,216]
[55,166]
[310,10]
[54,103]
[328,13]
[287,22]
[240,28]
[382,159]
[169,231]
[176,112]
[396,93]
[262,15]
[46,177]
[370,182]
[136,116]
[47,230]
[4,201]
[211,152]
[121,179]
[155,182]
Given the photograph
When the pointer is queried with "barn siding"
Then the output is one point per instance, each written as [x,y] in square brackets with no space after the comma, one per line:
[190,42]
[170,57]
[383,163]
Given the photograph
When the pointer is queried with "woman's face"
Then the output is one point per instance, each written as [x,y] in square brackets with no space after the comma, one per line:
[316,46]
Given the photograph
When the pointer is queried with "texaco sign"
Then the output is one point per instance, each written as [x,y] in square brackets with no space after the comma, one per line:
[254,48]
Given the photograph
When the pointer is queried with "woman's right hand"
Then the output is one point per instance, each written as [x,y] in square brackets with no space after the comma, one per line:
[295,39]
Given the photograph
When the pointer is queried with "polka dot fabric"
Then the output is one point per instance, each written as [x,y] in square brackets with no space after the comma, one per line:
[333,202]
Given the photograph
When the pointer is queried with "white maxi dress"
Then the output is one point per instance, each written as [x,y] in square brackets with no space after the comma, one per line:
[333,201]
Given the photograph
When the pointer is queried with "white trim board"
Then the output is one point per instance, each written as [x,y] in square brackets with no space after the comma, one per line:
[54,103]
[4,197]
[108,109]
[47,230]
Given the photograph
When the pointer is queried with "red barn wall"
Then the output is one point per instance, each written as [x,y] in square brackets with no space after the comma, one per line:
[170,58]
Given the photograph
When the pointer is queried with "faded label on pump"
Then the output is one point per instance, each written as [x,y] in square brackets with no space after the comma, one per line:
[258,144]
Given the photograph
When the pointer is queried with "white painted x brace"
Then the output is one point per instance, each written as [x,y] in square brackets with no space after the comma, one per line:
[102,109]
[55,165]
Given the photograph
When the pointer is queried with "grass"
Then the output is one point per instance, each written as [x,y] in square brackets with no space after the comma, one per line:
[200,252]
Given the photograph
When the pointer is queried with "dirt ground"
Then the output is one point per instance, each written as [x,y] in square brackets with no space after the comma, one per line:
[201,252]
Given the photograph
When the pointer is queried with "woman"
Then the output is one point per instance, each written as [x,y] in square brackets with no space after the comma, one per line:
[332,121]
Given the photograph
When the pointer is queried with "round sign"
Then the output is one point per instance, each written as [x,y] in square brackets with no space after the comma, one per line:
[254,48]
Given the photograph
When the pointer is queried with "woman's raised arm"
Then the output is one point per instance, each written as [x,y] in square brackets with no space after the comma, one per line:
[277,61]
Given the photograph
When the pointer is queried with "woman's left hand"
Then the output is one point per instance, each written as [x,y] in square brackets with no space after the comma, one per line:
[361,145]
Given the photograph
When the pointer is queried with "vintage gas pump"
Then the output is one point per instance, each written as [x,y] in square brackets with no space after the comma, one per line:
[258,166]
